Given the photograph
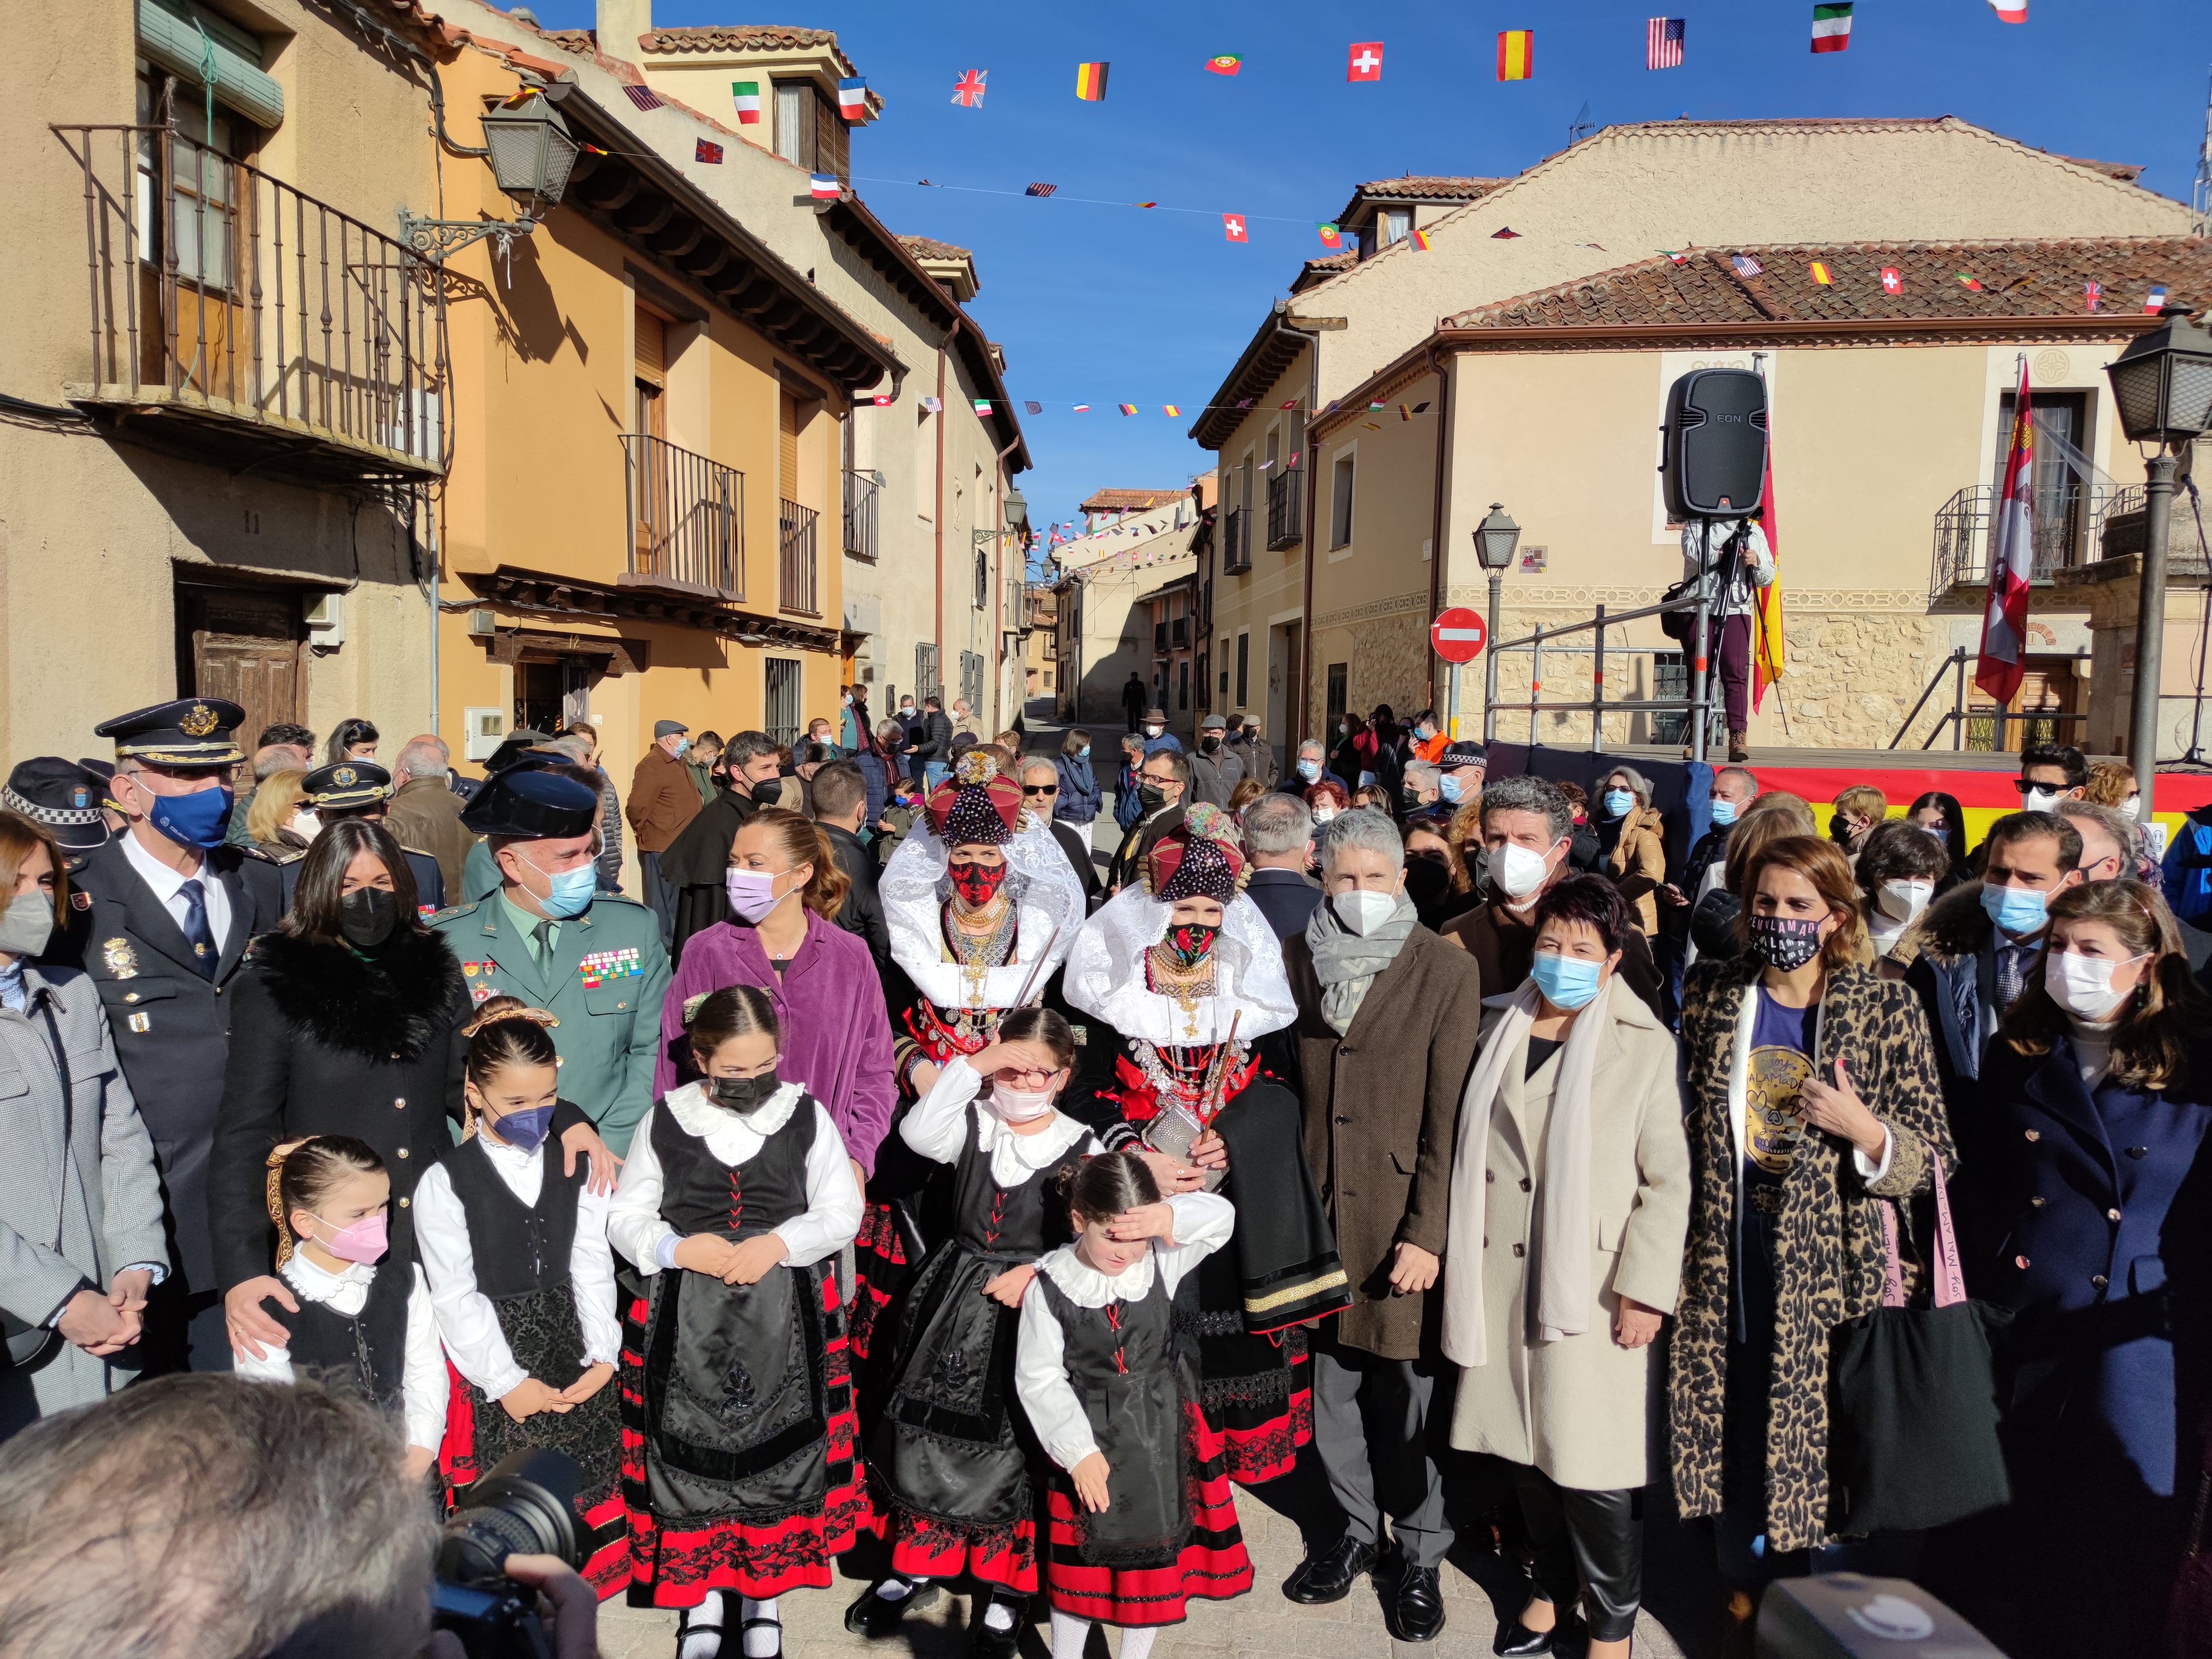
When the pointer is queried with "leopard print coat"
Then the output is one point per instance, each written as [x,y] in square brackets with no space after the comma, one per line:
[1830,1257]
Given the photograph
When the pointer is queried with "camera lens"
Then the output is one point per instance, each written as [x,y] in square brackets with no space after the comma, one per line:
[525,1506]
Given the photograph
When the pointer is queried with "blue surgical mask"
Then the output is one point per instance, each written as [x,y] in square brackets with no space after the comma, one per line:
[1565,982]
[198,819]
[1083,752]
[682,747]
[1618,803]
[523,1130]
[1448,787]
[1724,812]
[1310,770]
[568,892]
[2018,910]
[1941,831]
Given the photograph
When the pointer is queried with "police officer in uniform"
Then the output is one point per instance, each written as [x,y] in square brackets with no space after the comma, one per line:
[362,789]
[172,909]
[546,935]
[66,799]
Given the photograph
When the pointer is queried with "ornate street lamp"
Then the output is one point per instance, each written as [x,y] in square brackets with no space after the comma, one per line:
[1495,539]
[2162,388]
[531,153]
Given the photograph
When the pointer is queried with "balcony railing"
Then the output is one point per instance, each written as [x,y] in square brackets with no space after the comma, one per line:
[2123,527]
[1236,540]
[1179,634]
[253,311]
[687,517]
[861,491]
[1285,510]
[797,585]
[2068,525]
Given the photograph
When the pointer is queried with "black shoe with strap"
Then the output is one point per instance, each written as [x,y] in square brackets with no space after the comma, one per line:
[991,1643]
[752,1625]
[696,1622]
[1326,1575]
[875,1615]
[1414,1605]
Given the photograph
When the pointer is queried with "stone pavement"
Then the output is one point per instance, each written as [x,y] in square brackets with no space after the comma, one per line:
[1262,1624]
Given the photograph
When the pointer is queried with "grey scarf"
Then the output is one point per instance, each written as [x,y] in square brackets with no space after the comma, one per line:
[1346,962]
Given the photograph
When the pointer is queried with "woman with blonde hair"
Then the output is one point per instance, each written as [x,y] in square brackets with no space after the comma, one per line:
[2113,783]
[277,822]
[784,890]
[1813,1102]
[1631,848]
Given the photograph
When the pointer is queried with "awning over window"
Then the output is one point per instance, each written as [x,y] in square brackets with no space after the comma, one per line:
[177,36]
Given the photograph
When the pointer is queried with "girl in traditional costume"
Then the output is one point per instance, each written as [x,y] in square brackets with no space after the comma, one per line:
[1186,1060]
[523,1281]
[953,1458]
[1142,1516]
[982,907]
[740,1461]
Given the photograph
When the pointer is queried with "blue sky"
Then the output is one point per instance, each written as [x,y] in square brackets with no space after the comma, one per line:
[1108,304]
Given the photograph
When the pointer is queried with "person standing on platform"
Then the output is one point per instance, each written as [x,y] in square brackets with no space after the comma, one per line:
[662,799]
[592,959]
[173,910]
[1741,563]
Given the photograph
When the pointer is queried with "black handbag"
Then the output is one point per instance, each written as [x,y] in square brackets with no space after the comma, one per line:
[1913,1401]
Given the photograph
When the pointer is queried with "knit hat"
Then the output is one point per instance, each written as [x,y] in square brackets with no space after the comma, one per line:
[1199,857]
[977,803]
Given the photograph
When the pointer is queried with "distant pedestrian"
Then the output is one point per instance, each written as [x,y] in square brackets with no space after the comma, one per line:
[1080,797]
[662,800]
[1133,699]
[425,813]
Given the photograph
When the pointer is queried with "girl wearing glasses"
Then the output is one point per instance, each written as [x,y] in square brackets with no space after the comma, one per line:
[956,1473]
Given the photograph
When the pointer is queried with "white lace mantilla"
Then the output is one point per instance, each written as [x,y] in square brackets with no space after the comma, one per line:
[1106,975]
[1047,897]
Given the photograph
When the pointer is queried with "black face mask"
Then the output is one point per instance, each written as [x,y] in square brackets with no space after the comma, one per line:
[1411,796]
[1153,796]
[744,1095]
[366,916]
[1209,744]
[1427,882]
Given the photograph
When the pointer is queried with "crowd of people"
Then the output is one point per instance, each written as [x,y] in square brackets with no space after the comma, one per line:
[890,1173]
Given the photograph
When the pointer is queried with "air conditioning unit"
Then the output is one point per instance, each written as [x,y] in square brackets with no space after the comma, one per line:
[483,623]
[486,730]
[325,618]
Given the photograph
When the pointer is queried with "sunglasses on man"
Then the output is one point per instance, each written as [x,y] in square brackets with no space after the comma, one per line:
[1040,789]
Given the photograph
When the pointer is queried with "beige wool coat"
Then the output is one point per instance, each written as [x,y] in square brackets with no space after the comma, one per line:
[1576,1407]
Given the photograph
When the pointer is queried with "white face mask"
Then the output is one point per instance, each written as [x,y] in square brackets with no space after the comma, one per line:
[2082,985]
[1520,871]
[2040,800]
[1019,1105]
[1363,913]
[1153,731]
[1903,900]
[305,823]
[2131,808]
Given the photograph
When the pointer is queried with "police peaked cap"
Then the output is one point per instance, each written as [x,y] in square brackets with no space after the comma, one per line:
[62,796]
[344,785]
[540,805]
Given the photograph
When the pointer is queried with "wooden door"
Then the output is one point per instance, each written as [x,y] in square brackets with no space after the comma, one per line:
[244,644]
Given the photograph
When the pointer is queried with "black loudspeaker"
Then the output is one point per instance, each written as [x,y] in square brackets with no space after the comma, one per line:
[1715,443]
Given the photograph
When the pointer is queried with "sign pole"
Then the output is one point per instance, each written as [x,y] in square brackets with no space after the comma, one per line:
[1451,701]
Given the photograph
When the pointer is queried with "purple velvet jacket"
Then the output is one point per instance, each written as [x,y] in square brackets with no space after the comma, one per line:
[837,1035]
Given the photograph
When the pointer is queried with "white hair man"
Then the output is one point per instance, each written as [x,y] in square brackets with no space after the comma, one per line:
[424,812]
[1278,833]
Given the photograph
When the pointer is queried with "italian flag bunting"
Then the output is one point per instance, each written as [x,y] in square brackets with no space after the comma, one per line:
[1832,26]
[2012,560]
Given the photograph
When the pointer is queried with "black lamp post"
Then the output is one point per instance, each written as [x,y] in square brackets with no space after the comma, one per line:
[532,155]
[2162,387]
[1495,539]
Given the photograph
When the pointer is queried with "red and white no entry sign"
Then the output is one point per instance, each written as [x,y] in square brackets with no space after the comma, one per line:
[1457,635]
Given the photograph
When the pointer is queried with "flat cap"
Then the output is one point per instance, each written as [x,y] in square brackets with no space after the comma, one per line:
[667,729]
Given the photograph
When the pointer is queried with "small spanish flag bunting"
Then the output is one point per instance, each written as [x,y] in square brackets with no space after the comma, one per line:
[1170,409]
[1419,238]
[746,95]
[1516,54]
[709,153]
[522,95]
[1090,82]
[1331,236]
[1818,268]
[1143,205]
[1226,62]
[1968,280]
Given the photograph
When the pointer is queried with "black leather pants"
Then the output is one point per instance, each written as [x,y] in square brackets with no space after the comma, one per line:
[1600,1534]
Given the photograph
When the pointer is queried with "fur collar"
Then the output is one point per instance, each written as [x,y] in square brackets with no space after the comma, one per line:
[1950,930]
[398,1008]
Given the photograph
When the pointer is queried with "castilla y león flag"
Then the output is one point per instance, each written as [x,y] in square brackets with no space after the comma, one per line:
[2012,560]
[1768,656]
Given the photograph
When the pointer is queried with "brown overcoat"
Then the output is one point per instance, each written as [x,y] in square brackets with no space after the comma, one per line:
[1382,1114]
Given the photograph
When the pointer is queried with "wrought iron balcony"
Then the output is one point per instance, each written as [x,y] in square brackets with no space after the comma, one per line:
[862,491]
[2067,522]
[687,519]
[1236,540]
[797,585]
[261,325]
[1285,509]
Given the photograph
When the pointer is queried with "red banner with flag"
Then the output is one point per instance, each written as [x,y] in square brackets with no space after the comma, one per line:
[2012,560]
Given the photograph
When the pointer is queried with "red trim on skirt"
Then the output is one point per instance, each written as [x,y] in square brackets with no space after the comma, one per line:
[1212,1567]
[675,1561]
[924,1548]
[880,1271]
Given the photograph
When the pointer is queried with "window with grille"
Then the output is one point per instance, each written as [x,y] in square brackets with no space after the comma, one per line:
[971,680]
[783,694]
[1244,667]
[925,682]
[1340,677]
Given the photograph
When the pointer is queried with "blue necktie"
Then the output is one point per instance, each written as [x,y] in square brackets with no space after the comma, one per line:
[197,933]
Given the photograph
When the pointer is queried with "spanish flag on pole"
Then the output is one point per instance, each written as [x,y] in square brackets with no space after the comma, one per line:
[1766,643]
[1516,54]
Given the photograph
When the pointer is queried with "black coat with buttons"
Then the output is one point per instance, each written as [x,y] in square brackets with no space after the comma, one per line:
[326,1040]
[2090,1214]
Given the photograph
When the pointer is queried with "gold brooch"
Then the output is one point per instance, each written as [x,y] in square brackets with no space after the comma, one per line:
[198,721]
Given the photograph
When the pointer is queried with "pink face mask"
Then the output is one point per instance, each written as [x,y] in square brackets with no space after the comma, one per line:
[363,1241]
[752,893]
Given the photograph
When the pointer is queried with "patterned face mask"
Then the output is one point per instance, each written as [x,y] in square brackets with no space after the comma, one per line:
[1190,942]
[976,883]
[1786,942]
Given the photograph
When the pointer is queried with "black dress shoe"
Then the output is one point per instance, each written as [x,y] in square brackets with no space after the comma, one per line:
[1326,1576]
[1414,1607]
[991,1643]
[1517,1641]
[874,1616]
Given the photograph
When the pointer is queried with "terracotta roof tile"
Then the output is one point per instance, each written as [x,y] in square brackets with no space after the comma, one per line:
[715,37]
[928,247]
[2018,279]
[1431,186]
[1134,500]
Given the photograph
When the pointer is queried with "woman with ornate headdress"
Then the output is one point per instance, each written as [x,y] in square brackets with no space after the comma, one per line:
[982,907]
[1186,1059]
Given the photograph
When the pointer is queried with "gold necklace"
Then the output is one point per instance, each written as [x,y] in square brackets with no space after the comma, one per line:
[1185,985]
[974,951]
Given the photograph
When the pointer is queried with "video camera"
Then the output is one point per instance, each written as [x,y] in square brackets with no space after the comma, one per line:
[525,1506]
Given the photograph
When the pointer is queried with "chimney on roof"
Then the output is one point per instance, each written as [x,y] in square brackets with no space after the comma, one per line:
[620,22]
